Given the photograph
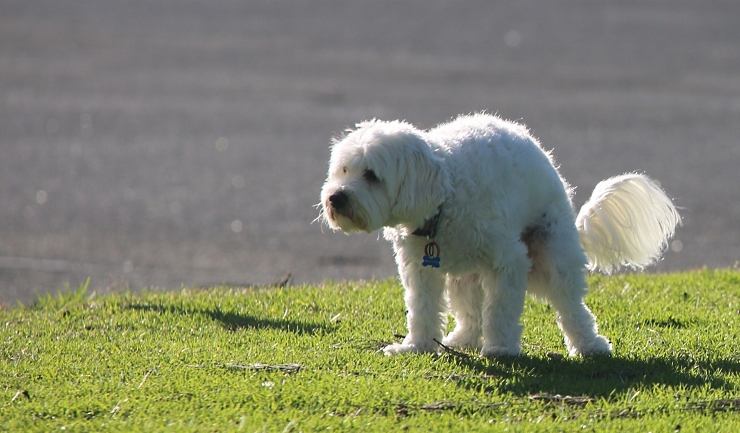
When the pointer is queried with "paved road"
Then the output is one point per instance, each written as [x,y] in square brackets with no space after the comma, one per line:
[164,142]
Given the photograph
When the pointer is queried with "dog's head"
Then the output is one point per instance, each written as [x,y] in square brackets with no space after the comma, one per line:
[381,174]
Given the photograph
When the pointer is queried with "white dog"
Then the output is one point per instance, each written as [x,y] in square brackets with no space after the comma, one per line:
[476,208]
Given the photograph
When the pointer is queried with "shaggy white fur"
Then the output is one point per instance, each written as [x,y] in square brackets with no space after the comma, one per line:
[478,216]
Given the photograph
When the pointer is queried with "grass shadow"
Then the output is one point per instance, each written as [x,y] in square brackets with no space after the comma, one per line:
[233,321]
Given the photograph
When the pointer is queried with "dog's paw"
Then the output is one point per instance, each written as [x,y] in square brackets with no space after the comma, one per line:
[598,346]
[463,340]
[401,348]
[500,351]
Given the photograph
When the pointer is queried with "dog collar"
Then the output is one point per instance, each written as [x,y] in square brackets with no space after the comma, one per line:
[431,250]
[429,229]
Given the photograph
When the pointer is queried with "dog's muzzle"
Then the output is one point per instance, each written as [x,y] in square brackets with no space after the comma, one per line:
[340,211]
[339,202]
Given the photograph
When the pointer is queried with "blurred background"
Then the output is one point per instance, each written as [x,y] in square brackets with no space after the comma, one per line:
[156,143]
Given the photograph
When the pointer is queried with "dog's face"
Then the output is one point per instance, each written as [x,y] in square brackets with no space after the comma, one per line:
[380,174]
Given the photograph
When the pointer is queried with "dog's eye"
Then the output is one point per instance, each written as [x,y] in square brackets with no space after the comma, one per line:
[370,176]
[344,170]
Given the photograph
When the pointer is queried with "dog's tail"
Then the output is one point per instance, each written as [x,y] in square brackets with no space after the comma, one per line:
[626,222]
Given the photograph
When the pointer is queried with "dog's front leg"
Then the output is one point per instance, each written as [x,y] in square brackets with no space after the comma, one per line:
[426,317]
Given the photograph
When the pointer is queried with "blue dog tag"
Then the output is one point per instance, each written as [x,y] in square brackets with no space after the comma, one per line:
[430,261]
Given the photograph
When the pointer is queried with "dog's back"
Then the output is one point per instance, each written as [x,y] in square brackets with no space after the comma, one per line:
[500,169]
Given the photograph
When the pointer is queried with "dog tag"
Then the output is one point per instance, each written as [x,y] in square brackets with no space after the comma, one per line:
[430,261]
[431,255]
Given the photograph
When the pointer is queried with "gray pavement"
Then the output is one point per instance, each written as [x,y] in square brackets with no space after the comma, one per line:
[156,143]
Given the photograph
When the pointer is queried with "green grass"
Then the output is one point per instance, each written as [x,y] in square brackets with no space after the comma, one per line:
[307,359]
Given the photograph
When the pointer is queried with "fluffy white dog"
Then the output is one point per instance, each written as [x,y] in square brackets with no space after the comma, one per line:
[477,211]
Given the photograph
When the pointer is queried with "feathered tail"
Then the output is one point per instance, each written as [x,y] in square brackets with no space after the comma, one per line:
[626,222]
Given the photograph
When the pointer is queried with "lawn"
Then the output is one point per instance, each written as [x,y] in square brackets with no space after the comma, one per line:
[308,359]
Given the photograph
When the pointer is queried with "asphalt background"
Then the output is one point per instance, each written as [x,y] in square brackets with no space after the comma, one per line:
[169,142]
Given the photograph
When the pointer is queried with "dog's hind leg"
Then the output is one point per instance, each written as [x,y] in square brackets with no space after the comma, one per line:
[565,293]
[504,289]
[579,328]
[465,297]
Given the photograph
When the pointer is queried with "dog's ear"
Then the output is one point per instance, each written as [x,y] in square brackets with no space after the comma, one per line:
[423,183]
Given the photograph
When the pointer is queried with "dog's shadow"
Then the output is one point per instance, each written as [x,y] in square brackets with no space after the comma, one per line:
[232,321]
[595,377]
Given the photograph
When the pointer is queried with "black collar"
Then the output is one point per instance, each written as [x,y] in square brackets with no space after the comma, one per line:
[429,229]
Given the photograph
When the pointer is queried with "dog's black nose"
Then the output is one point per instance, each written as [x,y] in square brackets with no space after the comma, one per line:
[339,200]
